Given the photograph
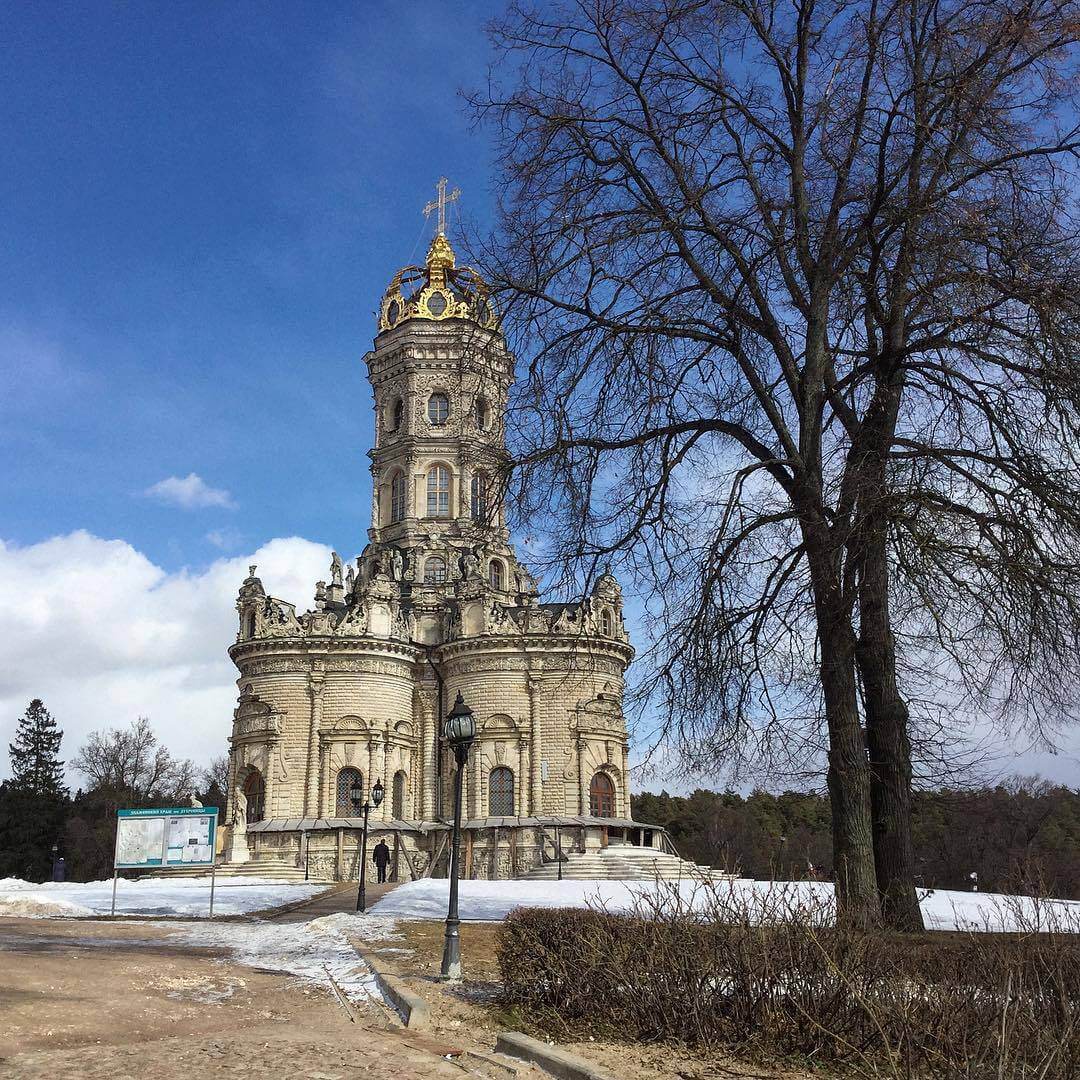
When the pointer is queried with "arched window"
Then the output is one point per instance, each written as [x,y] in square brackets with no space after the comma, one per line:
[398,415]
[255,796]
[602,795]
[346,805]
[501,792]
[434,570]
[495,575]
[397,497]
[438,409]
[438,491]
[398,803]
[483,414]
[606,624]
[478,503]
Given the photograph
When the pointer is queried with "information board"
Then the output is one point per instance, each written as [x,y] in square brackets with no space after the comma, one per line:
[170,836]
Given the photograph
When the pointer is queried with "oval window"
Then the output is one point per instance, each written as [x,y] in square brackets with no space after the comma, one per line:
[436,304]
[438,409]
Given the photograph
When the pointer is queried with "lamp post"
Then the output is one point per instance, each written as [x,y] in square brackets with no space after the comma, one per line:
[460,731]
[356,793]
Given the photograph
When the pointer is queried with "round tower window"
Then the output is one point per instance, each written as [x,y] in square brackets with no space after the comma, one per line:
[392,312]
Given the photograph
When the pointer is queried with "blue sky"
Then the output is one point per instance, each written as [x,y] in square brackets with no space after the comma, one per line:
[202,204]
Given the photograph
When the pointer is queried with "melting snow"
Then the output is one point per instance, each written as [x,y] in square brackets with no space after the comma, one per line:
[943,909]
[148,896]
[316,951]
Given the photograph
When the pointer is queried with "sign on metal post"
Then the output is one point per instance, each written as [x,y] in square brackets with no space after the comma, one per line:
[159,838]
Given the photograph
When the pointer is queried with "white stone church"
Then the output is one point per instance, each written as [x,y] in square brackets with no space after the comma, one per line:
[356,689]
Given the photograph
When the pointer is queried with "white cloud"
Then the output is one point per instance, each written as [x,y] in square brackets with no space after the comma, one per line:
[102,635]
[189,492]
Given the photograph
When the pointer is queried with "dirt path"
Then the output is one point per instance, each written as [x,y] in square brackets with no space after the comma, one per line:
[93,999]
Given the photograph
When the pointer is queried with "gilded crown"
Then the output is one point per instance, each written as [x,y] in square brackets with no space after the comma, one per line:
[437,290]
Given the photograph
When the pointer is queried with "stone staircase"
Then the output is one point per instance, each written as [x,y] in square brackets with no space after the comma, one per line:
[268,869]
[622,862]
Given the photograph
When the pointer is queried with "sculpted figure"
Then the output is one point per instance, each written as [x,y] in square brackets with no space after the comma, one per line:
[335,569]
[397,563]
[350,579]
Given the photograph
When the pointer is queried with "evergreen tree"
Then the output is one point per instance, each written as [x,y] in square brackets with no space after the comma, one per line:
[34,801]
[35,764]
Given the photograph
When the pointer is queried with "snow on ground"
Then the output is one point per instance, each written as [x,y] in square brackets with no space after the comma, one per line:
[148,896]
[493,900]
[317,951]
[28,905]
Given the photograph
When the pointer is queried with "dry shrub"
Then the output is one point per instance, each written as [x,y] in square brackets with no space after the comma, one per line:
[769,976]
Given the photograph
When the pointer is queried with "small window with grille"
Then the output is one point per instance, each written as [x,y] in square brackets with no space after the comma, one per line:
[438,409]
[347,806]
[501,792]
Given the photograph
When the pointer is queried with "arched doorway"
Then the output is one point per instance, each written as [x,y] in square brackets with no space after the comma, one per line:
[602,795]
[501,792]
[345,804]
[254,796]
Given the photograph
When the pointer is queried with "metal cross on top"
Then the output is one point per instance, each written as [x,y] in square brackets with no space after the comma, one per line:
[440,203]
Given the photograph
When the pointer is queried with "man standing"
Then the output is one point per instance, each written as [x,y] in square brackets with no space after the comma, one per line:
[381,858]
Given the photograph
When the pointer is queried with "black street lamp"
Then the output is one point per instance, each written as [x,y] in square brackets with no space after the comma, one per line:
[356,793]
[460,731]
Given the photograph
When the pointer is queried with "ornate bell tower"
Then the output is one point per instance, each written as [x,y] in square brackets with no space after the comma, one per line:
[440,372]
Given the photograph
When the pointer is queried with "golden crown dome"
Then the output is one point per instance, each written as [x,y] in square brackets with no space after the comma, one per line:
[437,290]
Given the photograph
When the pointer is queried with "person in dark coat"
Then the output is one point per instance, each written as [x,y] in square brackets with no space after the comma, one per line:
[381,858]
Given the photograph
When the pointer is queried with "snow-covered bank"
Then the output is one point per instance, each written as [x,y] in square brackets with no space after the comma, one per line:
[145,896]
[492,900]
[317,951]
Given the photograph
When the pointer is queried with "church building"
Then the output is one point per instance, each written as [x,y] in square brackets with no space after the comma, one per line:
[355,690]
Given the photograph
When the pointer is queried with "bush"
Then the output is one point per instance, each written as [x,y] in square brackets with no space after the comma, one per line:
[781,982]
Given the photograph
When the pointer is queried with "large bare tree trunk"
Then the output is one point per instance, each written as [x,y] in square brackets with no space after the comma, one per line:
[888,743]
[848,774]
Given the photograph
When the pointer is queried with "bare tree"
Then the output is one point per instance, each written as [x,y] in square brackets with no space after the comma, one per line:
[738,241]
[131,762]
[216,775]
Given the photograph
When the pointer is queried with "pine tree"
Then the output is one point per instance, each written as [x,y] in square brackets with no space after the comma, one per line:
[35,765]
[33,803]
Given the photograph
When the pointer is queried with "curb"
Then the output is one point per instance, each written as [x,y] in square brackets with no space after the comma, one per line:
[552,1059]
[413,1008]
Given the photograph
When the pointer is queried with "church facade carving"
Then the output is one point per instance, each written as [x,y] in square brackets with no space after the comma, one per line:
[356,687]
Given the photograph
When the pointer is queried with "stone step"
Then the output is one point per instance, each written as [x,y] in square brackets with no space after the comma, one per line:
[620,863]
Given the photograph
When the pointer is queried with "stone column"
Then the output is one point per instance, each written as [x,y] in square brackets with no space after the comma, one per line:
[369,778]
[626,779]
[536,795]
[311,784]
[425,765]
[583,783]
[387,779]
[522,778]
[324,774]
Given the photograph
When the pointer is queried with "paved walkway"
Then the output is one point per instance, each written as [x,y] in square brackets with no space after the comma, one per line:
[343,898]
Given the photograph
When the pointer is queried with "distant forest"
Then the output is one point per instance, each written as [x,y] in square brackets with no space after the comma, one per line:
[1020,837]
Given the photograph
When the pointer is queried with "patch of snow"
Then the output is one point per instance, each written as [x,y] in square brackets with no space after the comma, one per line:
[316,951]
[366,927]
[28,905]
[189,896]
[943,909]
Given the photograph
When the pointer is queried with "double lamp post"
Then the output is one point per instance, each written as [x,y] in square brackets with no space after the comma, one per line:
[459,731]
[356,793]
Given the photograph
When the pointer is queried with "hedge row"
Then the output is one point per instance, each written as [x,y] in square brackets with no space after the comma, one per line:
[957,1005]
